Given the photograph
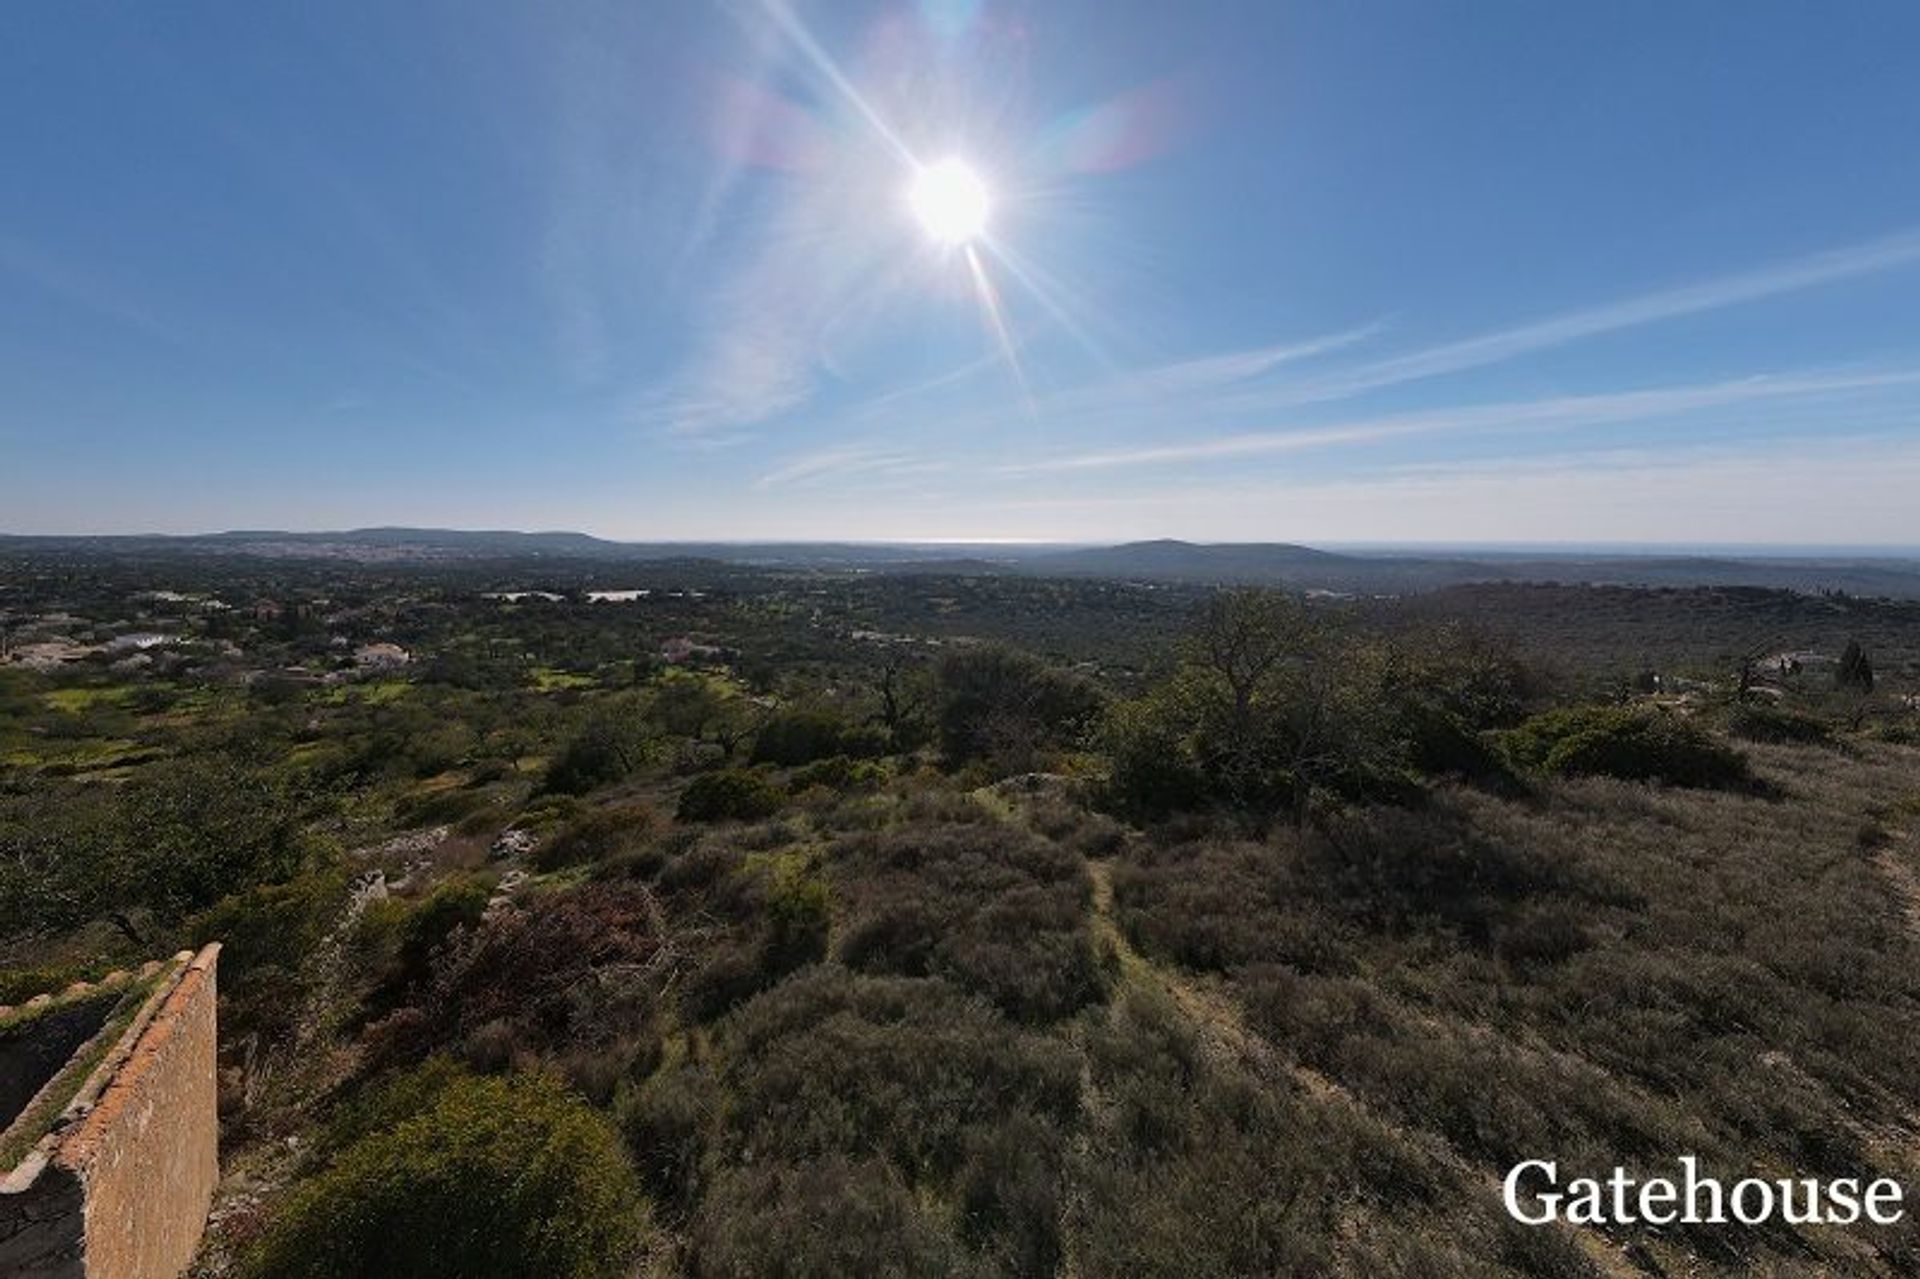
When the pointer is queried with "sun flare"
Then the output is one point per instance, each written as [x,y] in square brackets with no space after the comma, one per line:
[951,201]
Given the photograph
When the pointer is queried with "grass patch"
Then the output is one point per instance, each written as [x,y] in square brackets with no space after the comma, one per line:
[384,692]
[76,701]
[549,679]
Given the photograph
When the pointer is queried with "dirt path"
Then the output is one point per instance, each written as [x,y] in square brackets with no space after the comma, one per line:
[1900,877]
[1226,1037]
[1214,1015]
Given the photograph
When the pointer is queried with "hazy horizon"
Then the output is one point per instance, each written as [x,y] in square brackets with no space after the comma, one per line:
[1894,551]
[966,270]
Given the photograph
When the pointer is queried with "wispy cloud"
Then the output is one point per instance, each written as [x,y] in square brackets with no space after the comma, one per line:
[840,463]
[1779,278]
[769,329]
[1558,412]
[805,272]
[1724,494]
[1213,371]
[1211,401]
[79,288]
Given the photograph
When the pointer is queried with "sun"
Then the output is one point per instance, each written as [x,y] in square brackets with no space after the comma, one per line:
[951,201]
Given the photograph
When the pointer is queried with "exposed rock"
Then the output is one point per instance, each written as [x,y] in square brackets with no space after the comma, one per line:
[513,843]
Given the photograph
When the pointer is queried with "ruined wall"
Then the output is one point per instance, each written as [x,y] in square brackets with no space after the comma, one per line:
[148,1153]
[121,1187]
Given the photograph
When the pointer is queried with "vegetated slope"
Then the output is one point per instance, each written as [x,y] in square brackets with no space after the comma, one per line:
[821,955]
[1609,973]
[1701,631]
[1023,1039]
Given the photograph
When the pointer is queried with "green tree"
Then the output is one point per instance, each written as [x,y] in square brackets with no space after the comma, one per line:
[706,710]
[1271,706]
[800,736]
[175,840]
[608,747]
[1854,673]
[1008,708]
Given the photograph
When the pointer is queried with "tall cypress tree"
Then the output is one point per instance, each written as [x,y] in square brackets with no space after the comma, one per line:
[1855,672]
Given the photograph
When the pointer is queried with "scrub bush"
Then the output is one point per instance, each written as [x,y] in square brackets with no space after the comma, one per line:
[730,795]
[455,1176]
[1631,743]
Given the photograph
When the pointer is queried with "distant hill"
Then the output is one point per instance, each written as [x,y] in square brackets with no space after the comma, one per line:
[1272,563]
[1305,568]
[1165,560]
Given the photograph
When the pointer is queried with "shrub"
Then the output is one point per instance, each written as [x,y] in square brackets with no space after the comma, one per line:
[798,916]
[866,741]
[1193,1167]
[803,735]
[197,830]
[839,1124]
[1899,734]
[1440,743]
[839,773]
[786,913]
[1012,1191]
[267,935]
[596,836]
[427,925]
[992,908]
[272,926]
[830,1217]
[831,1062]
[456,1176]
[1217,906]
[1760,723]
[731,794]
[440,807]
[1631,743]
[1151,770]
[1399,869]
[666,1121]
[529,975]
[1493,1098]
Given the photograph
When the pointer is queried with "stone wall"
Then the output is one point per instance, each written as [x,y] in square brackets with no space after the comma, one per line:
[120,1186]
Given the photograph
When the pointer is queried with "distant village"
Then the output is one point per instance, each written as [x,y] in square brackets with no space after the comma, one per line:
[173,633]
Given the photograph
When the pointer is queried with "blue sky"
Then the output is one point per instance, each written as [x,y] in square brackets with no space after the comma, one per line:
[1622,272]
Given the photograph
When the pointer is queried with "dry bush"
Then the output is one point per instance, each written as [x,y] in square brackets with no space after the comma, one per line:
[1193,1166]
[595,836]
[916,1093]
[1778,725]
[1216,905]
[571,967]
[991,908]
[835,1216]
